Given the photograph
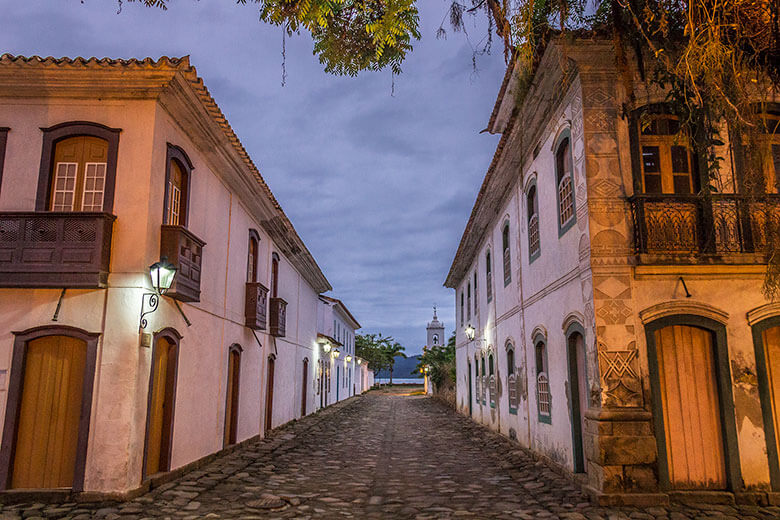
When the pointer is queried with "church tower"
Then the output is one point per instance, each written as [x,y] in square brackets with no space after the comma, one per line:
[436,331]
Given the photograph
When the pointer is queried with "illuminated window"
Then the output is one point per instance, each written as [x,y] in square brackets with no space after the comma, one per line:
[665,156]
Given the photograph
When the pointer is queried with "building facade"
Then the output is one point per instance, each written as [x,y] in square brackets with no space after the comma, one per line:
[613,297]
[110,166]
[341,374]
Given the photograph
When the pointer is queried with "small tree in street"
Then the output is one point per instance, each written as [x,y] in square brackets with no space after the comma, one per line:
[371,348]
[440,360]
[391,351]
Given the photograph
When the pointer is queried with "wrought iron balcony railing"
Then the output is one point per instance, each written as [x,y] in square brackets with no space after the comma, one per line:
[694,226]
[55,249]
[184,250]
[278,317]
[255,309]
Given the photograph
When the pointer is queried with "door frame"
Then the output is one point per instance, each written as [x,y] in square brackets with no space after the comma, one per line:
[725,395]
[14,400]
[471,382]
[269,393]
[235,402]
[579,462]
[172,335]
[766,398]
[305,387]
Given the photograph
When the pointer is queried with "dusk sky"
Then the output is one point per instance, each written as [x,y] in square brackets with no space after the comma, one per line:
[378,185]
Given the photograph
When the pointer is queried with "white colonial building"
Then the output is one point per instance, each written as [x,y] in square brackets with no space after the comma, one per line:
[340,371]
[111,166]
[609,309]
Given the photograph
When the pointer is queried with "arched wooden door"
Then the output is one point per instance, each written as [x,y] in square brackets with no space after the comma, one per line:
[304,387]
[269,394]
[162,396]
[471,397]
[693,432]
[47,431]
[231,398]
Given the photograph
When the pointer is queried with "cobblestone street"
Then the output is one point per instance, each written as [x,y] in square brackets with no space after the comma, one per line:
[383,455]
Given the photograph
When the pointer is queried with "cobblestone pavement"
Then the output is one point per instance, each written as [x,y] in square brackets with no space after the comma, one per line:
[382,455]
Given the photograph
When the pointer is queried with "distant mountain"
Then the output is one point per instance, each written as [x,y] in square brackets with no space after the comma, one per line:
[404,368]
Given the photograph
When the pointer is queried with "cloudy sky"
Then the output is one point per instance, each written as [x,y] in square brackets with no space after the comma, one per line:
[378,184]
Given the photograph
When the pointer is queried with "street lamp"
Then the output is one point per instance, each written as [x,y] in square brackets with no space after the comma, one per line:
[325,344]
[348,358]
[162,274]
[336,353]
[470,332]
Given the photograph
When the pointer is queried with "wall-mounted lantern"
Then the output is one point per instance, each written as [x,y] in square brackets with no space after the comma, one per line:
[325,344]
[162,274]
[470,332]
[359,361]
[348,358]
[336,353]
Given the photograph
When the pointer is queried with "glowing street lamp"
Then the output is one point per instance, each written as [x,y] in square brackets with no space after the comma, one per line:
[336,353]
[325,344]
[470,332]
[348,358]
[162,274]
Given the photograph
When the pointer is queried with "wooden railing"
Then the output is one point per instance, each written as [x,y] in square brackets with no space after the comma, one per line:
[255,308]
[55,249]
[278,317]
[184,250]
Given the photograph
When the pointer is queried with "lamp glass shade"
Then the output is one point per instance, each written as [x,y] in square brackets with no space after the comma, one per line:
[349,359]
[470,332]
[162,274]
[326,347]
[336,353]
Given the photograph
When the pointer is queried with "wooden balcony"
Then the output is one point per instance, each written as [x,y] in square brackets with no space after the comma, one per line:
[716,229]
[277,317]
[255,309]
[55,249]
[184,250]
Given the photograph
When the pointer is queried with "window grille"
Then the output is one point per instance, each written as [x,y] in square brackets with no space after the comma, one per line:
[533,235]
[543,394]
[565,200]
[511,383]
[488,279]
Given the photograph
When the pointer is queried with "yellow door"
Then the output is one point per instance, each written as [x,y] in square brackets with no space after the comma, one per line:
[691,408]
[772,354]
[48,428]
[160,408]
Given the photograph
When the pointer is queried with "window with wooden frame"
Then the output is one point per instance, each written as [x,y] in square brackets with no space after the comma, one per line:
[177,187]
[78,168]
[468,301]
[3,141]
[511,378]
[484,379]
[252,255]
[274,275]
[666,159]
[564,177]
[534,241]
[543,397]
[477,380]
[769,142]
[488,277]
[476,300]
[507,256]
[462,308]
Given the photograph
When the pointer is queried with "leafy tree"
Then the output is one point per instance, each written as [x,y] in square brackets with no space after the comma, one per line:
[370,348]
[714,58]
[392,351]
[440,360]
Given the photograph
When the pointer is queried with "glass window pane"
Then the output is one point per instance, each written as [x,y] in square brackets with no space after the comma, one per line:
[682,184]
[653,184]
[680,159]
[651,159]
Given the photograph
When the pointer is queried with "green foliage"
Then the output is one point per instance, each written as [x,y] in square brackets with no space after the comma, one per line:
[440,360]
[379,351]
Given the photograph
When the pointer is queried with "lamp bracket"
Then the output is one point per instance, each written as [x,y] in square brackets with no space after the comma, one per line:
[154,302]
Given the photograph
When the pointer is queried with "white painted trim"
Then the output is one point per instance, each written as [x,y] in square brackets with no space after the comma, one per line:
[763,312]
[686,306]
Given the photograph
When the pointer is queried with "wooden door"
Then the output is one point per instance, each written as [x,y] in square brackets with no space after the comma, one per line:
[161,401]
[471,398]
[691,408]
[579,403]
[771,342]
[304,387]
[48,425]
[231,403]
[269,395]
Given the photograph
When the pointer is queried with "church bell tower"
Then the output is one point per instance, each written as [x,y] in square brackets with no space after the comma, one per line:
[435,331]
